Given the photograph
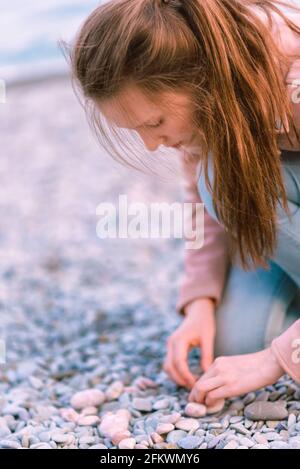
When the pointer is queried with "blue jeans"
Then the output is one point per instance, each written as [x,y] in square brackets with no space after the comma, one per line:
[259,305]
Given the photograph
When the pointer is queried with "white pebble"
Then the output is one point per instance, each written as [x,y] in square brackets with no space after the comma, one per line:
[88,420]
[164,428]
[193,409]
[187,424]
[128,443]
[87,398]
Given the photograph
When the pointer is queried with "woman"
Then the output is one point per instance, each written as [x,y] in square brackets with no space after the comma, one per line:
[211,78]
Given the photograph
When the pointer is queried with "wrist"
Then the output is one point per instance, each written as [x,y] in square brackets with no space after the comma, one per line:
[199,304]
[273,365]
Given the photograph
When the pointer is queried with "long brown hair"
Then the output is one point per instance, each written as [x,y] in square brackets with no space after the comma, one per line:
[221,53]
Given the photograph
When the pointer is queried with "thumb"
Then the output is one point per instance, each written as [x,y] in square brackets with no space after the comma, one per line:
[207,353]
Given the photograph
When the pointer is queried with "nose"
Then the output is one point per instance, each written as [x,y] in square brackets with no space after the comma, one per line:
[151,144]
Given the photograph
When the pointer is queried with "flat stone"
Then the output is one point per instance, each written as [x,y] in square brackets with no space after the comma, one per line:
[264,410]
[60,438]
[128,443]
[89,411]
[10,444]
[40,445]
[69,414]
[175,436]
[114,390]
[87,420]
[98,446]
[114,422]
[190,442]
[187,424]
[232,444]
[88,398]
[143,404]
[161,404]
[119,436]
[163,428]
[193,409]
[171,418]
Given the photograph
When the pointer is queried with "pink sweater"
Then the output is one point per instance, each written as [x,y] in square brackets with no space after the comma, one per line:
[206,268]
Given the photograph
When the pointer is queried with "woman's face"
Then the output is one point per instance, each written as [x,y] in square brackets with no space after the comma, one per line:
[166,122]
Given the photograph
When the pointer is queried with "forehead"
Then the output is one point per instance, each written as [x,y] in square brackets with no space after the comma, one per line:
[132,108]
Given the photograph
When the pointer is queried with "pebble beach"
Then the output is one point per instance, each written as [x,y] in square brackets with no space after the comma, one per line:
[85,320]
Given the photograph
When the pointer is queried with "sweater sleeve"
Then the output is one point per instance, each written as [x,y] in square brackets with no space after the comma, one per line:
[205,268]
[286,348]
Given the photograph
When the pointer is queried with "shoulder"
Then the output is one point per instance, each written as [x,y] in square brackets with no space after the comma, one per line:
[287,39]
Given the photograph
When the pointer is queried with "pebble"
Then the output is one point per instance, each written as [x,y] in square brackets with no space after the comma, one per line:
[10,444]
[194,409]
[60,438]
[156,438]
[114,391]
[187,424]
[87,398]
[40,446]
[87,420]
[264,410]
[292,420]
[36,382]
[89,411]
[98,446]
[161,404]
[240,428]
[119,436]
[87,440]
[246,442]
[189,442]
[143,404]
[260,438]
[231,445]
[279,445]
[164,428]
[113,352]
[114,422]
[69,414]
[171,418]
[249,398]
[175,436]
[128,443]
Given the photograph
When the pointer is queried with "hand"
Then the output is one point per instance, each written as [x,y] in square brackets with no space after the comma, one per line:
[236,375]
[197,329]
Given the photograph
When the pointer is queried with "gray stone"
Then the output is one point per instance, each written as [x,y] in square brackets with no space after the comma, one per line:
[143,404]
[264,410]
[175,436]
[190,442]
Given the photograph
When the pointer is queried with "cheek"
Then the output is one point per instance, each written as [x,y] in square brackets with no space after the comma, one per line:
[179,128]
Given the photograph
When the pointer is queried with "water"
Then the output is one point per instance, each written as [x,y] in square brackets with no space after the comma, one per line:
[30,31]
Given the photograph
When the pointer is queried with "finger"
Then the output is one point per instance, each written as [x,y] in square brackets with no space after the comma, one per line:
[210,373]
[207,353]
[201,388]
[171,371]
[220,393]
[180,363]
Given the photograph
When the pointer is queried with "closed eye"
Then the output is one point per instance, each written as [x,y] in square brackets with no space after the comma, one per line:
[157,125]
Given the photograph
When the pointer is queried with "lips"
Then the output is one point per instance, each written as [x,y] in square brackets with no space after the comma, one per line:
[178,145]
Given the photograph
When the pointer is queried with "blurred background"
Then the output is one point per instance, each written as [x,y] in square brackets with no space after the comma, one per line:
[77,311]
[62,288]
[29,34]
